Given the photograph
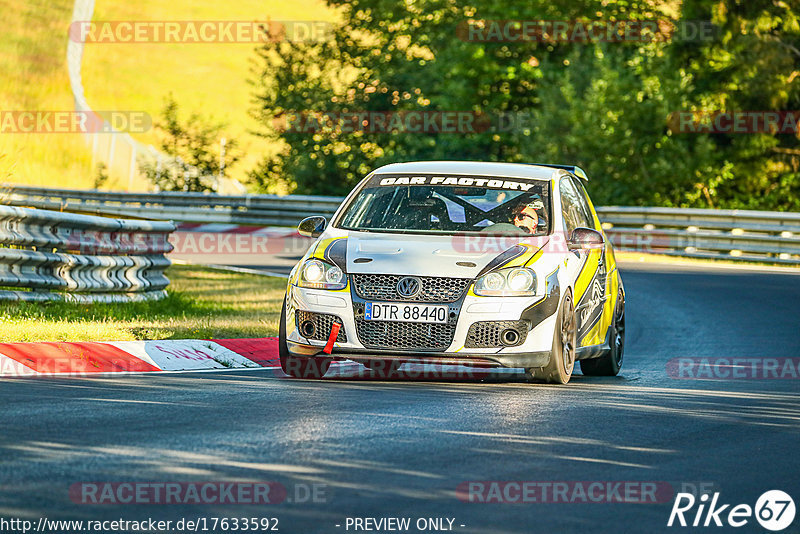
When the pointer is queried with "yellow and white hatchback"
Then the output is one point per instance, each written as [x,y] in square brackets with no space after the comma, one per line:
[470,263]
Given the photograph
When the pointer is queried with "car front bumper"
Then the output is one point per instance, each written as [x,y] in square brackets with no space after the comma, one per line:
[533,352]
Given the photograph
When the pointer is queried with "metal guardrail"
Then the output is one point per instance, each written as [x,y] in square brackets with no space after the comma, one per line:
[46,255]
[722,234]
[740,235]
[258,210]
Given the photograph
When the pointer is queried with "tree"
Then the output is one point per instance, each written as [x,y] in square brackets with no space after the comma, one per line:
[604,106]
[194,148]
[752,63]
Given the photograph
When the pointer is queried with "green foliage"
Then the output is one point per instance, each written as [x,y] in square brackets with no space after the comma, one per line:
[195,149]
[101,176]
[753,63]
[603,106]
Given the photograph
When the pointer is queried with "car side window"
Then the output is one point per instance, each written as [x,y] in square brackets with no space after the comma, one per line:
[572,207]
[583,199]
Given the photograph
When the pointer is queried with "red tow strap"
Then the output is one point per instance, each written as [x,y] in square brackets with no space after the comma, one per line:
[331,338]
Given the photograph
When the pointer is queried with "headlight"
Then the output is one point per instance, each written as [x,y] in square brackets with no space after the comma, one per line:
[514,282]
[521,280]
[320,275]
[494,281]
[313,271]
[334,275]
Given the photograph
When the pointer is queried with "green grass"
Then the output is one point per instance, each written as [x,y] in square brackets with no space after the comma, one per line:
[210,79]
[202,304]
[34,77]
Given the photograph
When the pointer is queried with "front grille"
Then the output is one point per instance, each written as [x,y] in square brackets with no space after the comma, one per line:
[322,325]
[486,334]
[434,289]
[389,335]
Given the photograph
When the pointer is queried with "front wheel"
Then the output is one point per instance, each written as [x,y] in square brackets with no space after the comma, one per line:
[562,360]
[610,363]
[298,366]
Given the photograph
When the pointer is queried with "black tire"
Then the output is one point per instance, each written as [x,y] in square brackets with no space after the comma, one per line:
[562,361]
[298,366]
[383,368]
[610,363]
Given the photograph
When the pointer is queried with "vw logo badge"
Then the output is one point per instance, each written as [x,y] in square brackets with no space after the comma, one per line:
[409,287]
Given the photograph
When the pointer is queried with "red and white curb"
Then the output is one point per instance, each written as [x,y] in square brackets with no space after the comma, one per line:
[121,357]
[82,358]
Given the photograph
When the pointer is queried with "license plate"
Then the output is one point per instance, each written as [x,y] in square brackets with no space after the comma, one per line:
[407,313]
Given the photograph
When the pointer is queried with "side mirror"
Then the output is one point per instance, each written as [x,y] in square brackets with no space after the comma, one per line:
[312,226]
[585,239]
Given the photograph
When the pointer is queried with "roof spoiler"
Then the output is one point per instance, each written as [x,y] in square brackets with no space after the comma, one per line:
[574,169]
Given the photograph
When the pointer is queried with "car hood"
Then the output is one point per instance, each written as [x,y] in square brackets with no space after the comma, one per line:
[418,255]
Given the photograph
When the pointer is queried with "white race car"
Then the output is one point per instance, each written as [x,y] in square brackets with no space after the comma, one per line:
[469,263]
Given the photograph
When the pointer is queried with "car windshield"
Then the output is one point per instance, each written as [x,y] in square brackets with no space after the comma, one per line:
[450,204]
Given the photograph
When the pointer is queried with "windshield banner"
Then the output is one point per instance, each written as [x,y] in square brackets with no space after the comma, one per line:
[491,182]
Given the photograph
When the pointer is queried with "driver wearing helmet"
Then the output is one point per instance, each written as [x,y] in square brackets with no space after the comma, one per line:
[528,214]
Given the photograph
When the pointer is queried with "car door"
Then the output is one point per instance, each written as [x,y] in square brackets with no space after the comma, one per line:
[590,280]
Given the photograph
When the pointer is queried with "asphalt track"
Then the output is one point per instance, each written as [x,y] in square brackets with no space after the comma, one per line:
[401,448]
